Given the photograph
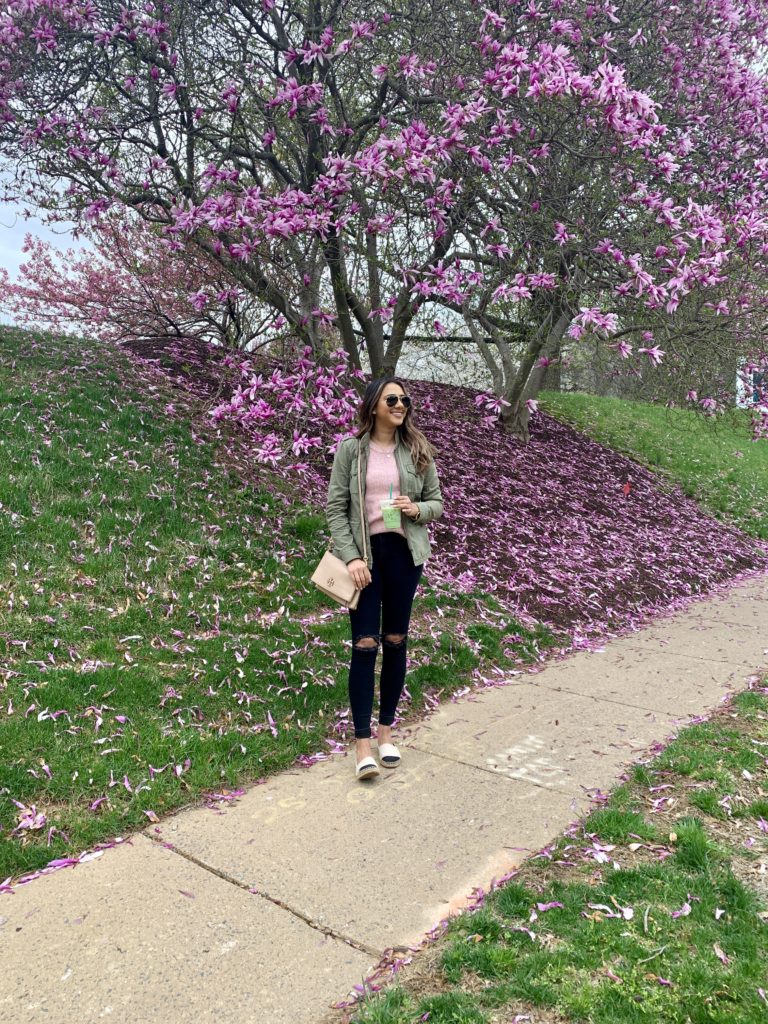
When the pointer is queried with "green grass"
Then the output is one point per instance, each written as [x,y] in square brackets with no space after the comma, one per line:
[159,638]
[673,933]
[712,460]
[619,826]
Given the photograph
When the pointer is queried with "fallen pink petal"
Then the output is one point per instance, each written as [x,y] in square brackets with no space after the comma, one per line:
[684,911]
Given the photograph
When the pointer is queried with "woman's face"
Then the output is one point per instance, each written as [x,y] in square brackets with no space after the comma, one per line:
[390,416]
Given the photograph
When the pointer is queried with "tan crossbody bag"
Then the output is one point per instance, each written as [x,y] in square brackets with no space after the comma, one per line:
[332,575]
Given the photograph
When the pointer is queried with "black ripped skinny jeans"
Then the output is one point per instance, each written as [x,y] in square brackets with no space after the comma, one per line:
[384,610]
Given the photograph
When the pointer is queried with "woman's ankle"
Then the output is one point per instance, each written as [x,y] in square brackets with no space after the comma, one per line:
[363,748]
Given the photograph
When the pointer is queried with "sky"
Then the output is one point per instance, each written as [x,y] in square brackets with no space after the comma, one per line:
[13,228]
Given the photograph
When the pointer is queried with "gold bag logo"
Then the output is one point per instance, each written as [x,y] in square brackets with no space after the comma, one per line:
[331,581]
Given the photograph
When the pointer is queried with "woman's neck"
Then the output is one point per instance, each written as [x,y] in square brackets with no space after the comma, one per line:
[385,438]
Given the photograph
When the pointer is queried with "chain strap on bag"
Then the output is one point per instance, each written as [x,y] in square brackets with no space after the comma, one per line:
[332,576]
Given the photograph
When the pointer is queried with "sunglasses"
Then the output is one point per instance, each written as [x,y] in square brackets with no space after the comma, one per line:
[392,400]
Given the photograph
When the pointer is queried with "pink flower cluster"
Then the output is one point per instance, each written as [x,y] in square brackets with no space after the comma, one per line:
[287,413]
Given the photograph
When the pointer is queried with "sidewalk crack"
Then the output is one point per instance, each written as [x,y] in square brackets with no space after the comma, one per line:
[252,891]
[735,665]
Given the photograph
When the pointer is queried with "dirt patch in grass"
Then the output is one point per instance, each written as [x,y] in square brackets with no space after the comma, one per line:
[524,1012]
[754,874]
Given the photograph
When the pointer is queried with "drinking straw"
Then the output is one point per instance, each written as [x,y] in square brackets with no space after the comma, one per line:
[390,492]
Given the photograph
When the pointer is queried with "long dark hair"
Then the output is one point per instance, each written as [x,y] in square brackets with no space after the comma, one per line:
[421,450]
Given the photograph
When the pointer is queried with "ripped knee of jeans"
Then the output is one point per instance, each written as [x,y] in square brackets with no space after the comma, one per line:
[367,644]
[395,639]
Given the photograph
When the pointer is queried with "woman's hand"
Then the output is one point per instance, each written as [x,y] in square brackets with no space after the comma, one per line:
[359,572]
[407,507]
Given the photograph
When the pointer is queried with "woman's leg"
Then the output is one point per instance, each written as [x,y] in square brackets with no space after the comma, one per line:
[400,578]
[365,621]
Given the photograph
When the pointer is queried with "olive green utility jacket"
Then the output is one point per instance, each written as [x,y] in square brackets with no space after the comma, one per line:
[342,509]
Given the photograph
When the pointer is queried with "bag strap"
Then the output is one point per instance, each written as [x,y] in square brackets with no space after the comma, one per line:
[360,497]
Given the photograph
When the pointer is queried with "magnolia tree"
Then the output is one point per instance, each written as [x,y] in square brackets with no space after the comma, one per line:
[542,170]
[130,284]
[634,214]
[281,139]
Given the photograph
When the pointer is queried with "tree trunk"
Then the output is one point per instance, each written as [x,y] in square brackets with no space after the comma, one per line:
[514,417]
[529,377]
[496,371]
[553,376]
[343,317]
[515,422]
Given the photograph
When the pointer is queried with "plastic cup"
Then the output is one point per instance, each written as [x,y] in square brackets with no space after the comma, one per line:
[390,514]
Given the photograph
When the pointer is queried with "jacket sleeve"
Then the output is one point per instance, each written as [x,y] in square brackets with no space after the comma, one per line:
[337,506]
[431,502]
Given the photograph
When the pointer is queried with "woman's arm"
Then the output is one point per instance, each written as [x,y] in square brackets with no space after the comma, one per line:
[431,501]
[338,503]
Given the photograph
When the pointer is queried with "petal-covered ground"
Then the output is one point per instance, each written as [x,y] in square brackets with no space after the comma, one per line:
[160,640]
[553,528]
[561,529]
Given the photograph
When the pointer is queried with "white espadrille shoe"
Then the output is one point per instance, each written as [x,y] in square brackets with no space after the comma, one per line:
[389,755]
[367,768]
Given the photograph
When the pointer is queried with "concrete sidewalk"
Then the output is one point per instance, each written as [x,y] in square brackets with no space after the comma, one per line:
[275,908]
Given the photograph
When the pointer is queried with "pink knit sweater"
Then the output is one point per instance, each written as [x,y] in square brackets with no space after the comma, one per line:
[382,472]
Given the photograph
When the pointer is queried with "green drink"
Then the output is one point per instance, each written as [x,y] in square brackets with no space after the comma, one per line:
[390,515]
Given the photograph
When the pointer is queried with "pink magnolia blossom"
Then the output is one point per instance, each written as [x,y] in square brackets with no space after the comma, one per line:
[655,354]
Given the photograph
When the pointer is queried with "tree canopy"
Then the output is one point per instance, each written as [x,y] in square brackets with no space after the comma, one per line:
[535,171]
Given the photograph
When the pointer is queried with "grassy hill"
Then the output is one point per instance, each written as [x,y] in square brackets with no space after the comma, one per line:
[713,460]
[159,641]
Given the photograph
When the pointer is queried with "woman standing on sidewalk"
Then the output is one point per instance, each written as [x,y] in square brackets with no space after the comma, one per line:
[397,462]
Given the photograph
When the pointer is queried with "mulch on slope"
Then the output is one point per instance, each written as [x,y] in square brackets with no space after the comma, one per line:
[547,527]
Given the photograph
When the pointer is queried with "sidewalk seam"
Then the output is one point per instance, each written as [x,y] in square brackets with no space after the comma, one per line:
[722,622]
[359,946]
[678,721]
[566,790]
[611,700]
[681,654]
